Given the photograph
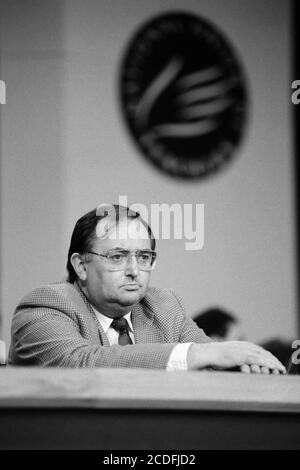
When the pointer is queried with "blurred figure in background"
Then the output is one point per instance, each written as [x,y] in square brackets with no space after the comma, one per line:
[219,325]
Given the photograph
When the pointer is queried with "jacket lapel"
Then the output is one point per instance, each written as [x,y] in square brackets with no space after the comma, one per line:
[145,331]
[84,308]
[101,334]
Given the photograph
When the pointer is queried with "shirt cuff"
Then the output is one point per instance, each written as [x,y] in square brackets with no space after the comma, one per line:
[178,358]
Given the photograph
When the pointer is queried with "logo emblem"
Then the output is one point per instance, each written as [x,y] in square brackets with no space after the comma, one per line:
[183,95]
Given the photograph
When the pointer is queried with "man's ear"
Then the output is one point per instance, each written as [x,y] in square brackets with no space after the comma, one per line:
[79,267]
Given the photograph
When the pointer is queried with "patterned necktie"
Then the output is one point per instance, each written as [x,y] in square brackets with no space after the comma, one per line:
[121,326]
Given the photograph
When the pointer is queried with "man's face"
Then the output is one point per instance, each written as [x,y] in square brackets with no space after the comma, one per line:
[113,293]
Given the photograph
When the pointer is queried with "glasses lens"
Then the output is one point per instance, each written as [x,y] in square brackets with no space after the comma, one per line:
[119,259]
[144,259]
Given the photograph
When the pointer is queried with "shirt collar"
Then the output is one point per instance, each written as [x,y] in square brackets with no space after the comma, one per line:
[107,321]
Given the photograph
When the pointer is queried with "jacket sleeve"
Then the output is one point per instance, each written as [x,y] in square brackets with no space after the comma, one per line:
[48,337]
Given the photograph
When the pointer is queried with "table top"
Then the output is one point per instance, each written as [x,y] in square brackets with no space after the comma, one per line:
[148,389]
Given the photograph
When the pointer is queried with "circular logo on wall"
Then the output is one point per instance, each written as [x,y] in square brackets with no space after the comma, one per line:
[183,95]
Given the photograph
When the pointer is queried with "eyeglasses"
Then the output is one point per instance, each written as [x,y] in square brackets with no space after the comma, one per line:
[118,259]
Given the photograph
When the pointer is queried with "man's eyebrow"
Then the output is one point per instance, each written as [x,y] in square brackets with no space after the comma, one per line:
[119,248]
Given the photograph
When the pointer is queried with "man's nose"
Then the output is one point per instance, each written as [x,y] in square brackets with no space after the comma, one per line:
[132,266]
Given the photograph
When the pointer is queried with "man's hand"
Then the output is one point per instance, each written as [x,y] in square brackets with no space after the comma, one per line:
[249,357]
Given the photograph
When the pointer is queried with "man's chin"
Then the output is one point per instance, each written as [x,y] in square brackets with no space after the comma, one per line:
[131,297]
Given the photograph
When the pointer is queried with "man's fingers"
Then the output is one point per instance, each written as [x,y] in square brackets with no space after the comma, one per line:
[264,358]
[245,368]
[271,365]
[255,369]
[249,357]
[253,354]
[278,365]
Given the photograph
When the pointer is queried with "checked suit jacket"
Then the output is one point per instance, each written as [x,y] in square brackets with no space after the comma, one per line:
[55,325]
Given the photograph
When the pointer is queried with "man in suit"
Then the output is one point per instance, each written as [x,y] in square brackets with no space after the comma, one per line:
[106,315]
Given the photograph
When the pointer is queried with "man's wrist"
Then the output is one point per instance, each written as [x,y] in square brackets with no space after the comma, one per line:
[201,356]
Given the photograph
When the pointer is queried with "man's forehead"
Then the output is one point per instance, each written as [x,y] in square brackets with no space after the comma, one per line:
[123,230]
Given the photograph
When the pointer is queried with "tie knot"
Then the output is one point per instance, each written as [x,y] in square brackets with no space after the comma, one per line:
[120,325]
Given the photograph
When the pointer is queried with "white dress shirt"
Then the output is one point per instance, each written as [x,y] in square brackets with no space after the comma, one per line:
[178,357]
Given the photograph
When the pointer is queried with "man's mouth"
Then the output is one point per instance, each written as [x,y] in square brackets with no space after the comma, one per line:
[131,286]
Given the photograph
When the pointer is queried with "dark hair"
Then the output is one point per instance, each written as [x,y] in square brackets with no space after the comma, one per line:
[214,321]
[84,232]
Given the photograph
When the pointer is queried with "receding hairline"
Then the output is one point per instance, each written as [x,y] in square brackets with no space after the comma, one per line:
[107,225]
